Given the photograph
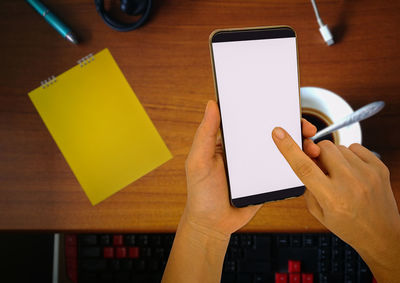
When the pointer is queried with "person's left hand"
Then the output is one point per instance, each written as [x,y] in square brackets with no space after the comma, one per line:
[208,205]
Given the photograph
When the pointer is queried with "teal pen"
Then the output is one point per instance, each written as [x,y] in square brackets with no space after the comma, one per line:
[53,20]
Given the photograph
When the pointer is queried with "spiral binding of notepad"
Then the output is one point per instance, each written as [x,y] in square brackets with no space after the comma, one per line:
[81,62]
[86,60]
[48,82]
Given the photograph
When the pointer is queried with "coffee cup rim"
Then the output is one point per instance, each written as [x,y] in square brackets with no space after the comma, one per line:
[335,108]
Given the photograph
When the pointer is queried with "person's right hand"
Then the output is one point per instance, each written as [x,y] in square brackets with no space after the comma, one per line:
[349,192]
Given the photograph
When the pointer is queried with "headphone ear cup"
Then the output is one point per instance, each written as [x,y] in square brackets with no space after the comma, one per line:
[133,7]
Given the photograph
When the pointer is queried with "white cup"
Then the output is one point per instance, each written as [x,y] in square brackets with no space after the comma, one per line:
[330,108]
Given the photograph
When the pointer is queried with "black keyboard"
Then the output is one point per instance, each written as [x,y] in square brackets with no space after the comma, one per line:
[250,258]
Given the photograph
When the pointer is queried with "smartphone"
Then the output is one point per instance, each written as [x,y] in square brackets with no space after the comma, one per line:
[257,88]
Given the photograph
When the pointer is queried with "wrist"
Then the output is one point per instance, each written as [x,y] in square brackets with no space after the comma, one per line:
[202,236]
[383,258]
[203,231]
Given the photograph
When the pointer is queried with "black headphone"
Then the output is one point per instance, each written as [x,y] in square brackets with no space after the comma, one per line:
[131,7]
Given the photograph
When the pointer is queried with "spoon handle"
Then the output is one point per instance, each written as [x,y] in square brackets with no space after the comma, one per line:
[359,115]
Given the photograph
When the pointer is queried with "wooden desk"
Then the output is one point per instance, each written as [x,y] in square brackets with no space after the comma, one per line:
[167,63]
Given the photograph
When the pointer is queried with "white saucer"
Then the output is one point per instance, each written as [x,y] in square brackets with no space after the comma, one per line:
[333,106]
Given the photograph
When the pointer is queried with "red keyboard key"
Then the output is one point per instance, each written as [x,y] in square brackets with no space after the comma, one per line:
[294,266]
[118,240]
[120,252]
[280,277]
[108,252]
[72,274]
[307,277]
[70,252]
[133,252]
[70,240]
[294,278]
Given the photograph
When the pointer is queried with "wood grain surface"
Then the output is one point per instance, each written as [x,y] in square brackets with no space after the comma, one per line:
[167,63]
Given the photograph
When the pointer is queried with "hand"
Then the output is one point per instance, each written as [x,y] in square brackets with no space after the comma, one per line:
[352,197]
[208,203]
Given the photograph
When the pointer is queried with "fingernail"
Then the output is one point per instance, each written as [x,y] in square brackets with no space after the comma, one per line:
[207,106]
[278,133]
[206,111]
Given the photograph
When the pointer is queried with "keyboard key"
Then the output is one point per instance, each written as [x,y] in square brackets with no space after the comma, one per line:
[364,274]
[108,252]
[93,264]
[155,240]
[282,241]
[153,265]
[307,278]
[70,252]
[133,252]
[309,241]
[115,264]
[323,266]
[72,273]
[337,242]
[130,240]
[263,243]
[89,252]
[70,240]
[228,277]
[260,278]
[296,241]
[120,252]
[323,278]
[143,240]
[139,265]
[105,277]
[234,253]
[168,240]
[294,278]
[294,266]
[254,255]
[88,240]
[280,277]
[105,240]
[246,240]
[147,252]
[118,240]
[127,264]
[242,277]
[324,254]
[123,277]
[349,278]
[88,277]
[337,266]
[230,266]
[255,266]
[325,240]
[338,254]
[234,240]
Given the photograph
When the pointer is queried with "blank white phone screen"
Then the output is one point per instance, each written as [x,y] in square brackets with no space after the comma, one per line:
[257,82]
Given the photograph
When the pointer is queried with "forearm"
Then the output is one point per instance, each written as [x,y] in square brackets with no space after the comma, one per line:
[197,255]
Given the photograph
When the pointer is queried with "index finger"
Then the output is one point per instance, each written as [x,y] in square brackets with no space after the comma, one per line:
[307,171]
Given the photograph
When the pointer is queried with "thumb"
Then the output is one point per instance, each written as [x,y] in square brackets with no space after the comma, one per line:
[307,171]
[204,142]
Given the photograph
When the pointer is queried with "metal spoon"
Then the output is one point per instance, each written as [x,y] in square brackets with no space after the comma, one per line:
[359,115]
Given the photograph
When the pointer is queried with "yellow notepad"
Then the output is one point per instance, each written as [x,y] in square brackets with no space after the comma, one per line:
[100,126]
